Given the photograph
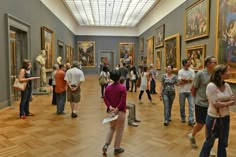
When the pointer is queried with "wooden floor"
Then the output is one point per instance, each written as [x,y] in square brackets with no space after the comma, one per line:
[50,135]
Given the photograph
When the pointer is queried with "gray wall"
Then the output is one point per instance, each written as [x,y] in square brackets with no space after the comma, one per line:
[174,23]
[36,15]
[106,43]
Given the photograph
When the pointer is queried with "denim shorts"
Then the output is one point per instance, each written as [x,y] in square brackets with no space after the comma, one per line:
[200,114]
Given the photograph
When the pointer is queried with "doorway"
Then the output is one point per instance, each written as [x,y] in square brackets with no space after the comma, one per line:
[106,57]
[18,39]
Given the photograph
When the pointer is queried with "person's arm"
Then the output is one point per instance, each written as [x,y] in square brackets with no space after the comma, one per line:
[195,84]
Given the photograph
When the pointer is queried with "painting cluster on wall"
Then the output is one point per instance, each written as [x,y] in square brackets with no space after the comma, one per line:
[65,53]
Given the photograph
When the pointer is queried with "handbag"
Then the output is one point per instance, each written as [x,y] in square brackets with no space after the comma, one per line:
[19,85]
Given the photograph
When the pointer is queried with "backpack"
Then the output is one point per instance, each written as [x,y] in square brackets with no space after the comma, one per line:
[102,80]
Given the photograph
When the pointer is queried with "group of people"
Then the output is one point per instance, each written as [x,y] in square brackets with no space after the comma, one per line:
[66,83]
[206,92]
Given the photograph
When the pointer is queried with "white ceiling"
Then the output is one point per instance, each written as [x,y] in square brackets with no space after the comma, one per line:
[125,13]
[159,11]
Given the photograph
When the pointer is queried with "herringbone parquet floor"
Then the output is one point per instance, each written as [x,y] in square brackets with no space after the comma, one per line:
[49,135]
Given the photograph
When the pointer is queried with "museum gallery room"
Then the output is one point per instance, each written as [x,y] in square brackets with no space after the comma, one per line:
[166,51]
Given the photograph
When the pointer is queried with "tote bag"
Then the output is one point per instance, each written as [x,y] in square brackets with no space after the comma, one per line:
[19,85]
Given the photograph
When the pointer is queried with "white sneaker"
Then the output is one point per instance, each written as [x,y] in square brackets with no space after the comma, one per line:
[192,140]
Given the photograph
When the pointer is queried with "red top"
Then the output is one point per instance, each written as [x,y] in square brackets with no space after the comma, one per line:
[115,96]
[60,82]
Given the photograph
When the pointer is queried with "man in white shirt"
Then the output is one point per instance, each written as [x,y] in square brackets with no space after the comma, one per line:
[185,77]
[74,78]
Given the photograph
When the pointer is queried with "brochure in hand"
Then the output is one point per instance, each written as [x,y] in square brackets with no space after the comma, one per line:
[111,116]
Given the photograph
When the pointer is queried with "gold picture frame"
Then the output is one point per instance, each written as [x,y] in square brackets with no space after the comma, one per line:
[196,23]
[47,44]
[172,51]
[69,54]
[158,59]
[86,53]
[126,53]
[196,54]
[160,36]
[150,50]
[225,49]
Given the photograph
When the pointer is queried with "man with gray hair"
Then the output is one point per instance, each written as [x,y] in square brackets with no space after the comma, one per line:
[74,78]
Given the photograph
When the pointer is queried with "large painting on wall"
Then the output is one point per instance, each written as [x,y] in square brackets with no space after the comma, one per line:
[47,44]
[172,51]
[86,53]
[150,50]
[158,59]
[69,54]
[126,53]
[226,34]
[197,20]
[196,55]
[159,37]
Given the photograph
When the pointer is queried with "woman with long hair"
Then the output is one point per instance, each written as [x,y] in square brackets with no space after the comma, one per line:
[220,97]
[26,76]
[167,92]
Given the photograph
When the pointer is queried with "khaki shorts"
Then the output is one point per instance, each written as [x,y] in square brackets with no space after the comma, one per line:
[73,96]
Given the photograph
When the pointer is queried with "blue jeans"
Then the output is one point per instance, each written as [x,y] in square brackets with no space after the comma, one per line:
[168,98]
[189,97]
[61,100]
[220,131]
[24,103]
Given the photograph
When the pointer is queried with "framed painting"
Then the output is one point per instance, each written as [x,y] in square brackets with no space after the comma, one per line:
[196,54]
[86,53]
[150,50]
[226,35]
[172,51]
[126,53]
[159,37]
[60,50]
[141,44]
[47,44]
[158,59]
[68,54]
[197,20]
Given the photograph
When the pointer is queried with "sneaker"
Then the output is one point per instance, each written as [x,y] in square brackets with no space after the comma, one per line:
[74,115]
[153,103]
[104,149]
[23,117]
[166,122]
[118,151]
[191,123]
[137,120]
[192,140]
[183,121]
[212,153]
[133,124]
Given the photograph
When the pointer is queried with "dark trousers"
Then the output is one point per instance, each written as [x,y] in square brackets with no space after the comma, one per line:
[133,85]
[61,100]
[24,103]
[153,87]
[127,84]
[103,87]
[148,93]
[54,95]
